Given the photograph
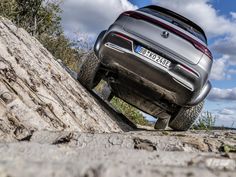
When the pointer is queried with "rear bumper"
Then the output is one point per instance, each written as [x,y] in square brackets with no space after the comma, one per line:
[175,84]
[202,95]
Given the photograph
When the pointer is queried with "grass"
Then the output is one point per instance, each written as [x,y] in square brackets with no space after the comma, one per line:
[126,109]
[130,112]
[206,121]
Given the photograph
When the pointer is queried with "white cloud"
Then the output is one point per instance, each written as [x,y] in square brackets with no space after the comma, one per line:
[218,94]
[227,112]
[226,120]
[202,13]
[91,17]
[219,71]
[232,71]
[226,117]
[233,14]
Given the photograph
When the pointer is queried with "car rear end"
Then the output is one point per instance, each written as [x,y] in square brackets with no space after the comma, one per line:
[160,51]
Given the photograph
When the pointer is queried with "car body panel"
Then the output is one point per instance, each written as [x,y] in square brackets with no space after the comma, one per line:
[184,83]
[153,33]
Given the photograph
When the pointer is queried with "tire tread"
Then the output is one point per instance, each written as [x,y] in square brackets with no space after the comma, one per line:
[88,71]
[186,117]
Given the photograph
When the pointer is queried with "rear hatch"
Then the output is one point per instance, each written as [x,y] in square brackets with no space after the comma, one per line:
[150,27]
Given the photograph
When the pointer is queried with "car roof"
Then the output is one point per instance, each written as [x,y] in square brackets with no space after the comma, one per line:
[176,15]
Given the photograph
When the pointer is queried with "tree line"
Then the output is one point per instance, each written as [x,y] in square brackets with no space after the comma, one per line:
[42,19]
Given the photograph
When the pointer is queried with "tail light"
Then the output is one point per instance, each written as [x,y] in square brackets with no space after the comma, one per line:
[121,40]
[189,70]
[122,37]
[194,42]
[203,49]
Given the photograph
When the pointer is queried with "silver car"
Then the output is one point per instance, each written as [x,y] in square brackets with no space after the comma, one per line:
[156,60]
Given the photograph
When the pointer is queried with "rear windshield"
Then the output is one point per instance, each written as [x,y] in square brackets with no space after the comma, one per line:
[177,22]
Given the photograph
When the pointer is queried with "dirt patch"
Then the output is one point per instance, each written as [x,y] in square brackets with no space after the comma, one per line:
[144,144]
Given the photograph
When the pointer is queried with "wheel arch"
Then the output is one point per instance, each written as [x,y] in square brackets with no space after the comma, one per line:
[98,42]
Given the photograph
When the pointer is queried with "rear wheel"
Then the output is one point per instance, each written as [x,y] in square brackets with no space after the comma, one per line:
[185,117]
[89,75]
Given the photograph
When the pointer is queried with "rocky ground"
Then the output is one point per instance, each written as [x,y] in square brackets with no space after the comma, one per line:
[51,126]
[135,153]
[36,93]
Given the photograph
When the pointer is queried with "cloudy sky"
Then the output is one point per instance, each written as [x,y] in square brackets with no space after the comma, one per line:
[216,17]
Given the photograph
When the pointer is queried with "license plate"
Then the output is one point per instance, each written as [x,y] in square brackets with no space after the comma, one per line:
[153,56]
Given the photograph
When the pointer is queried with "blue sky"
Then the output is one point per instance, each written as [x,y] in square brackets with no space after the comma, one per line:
[224,6]
[216,17]
[141,3]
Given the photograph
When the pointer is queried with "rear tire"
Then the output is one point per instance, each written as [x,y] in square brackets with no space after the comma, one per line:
[185,117]
[88,74]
